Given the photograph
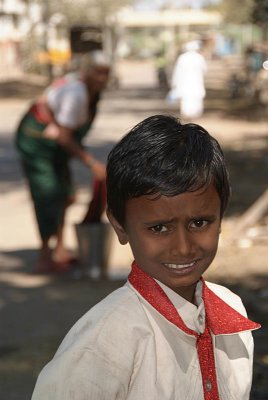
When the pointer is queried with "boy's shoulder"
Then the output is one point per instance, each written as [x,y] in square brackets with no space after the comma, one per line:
[229,297]
[103,342]
[115,316]
[122,301]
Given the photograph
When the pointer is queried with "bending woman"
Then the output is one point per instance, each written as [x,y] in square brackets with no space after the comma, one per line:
[49,134]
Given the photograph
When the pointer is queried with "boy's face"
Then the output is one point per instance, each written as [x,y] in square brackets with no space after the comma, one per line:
[173,239]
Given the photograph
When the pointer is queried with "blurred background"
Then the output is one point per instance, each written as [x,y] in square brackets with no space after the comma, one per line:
[41,40]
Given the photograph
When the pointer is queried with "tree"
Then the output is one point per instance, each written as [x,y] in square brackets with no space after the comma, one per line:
[236,12]
[81,11]
[259,14]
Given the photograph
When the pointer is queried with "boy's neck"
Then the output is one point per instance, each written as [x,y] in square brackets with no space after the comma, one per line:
[188,293]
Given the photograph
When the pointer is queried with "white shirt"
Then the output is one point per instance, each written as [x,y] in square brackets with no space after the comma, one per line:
[124,348]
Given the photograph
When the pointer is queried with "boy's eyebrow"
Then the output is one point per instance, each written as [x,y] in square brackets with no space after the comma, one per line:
[159,221]
[210,217]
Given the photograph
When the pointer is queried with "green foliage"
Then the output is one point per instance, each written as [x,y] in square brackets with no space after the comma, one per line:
[235,11]
[260,13]
[81,11]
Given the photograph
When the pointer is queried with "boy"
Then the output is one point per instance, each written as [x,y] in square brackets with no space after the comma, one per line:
[166,334]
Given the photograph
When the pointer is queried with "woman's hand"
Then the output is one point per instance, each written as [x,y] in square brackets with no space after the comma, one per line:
[52,131]
[66,140]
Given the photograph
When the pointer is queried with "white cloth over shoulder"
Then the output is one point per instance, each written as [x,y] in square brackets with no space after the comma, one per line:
[69,103]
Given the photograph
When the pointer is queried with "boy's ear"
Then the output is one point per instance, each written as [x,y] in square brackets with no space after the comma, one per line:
[119,230]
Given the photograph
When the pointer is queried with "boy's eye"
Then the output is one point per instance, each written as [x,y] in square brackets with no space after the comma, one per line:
[198,223]
[159,228]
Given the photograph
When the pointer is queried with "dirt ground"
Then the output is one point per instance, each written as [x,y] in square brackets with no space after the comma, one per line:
[36,312]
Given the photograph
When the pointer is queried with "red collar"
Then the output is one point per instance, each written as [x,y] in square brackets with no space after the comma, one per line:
[221,319]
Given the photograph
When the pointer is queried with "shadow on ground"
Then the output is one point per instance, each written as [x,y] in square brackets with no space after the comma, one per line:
[243,107]
[247,162]
[37,311]
[21,89]
[11,169]
[254,293]
[217,100]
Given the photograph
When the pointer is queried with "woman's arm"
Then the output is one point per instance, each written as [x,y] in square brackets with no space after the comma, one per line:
[64,137]
[66,140]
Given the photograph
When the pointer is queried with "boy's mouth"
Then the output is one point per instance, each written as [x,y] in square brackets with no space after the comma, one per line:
[179,266]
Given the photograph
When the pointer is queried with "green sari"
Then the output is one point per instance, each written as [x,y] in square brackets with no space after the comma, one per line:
[46,166]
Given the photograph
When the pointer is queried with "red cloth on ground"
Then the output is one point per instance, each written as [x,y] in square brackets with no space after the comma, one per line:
[97,204]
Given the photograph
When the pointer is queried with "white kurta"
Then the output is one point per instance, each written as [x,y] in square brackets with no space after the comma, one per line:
[188,83]
[123,348]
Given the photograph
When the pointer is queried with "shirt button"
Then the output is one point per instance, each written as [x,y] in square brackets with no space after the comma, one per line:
[200,318]
[208,385]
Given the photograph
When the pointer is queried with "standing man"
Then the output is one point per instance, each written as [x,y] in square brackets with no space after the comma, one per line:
[187,83]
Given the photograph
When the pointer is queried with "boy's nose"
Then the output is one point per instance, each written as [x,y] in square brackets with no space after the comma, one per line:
[182,244]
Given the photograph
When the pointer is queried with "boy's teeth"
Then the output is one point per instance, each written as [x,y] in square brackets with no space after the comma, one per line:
[179,266]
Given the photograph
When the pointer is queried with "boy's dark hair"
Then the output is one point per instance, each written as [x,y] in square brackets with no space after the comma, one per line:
[162,156]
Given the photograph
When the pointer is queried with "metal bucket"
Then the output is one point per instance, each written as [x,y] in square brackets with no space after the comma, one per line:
[94,246]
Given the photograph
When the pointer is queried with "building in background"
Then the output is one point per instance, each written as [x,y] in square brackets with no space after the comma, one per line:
[35,41]
[12,20]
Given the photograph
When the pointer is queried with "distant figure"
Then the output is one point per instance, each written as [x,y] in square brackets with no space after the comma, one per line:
[187,82]
[254,58]
[160,64]
[49,134]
